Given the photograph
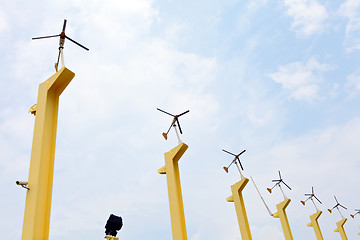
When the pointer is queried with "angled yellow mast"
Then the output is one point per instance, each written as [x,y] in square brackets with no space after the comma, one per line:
[314,217]
[315,224]
[38,198]
[281,214]
[340,228]
[171,169]
[238,200]
[281,207]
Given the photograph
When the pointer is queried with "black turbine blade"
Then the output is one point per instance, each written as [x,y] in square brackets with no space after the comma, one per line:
[286,185]
[336,200]
[242,152]
[46,37]
[165,112]
[240,163]
[312,190]
[275,180]
[64,26]
[317,199]
[342,206]
[308,194]
[229,152]
[279,174]
[183,113]
[178,125]
[77,43]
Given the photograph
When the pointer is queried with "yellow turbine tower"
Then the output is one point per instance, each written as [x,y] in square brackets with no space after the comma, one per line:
[281,209]
[171,169]
[340,225]
[238,199]
[314,217]
[40,182]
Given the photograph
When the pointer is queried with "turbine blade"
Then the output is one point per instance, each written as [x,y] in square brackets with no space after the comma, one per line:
[77,43]
[336,200]
[240,163]
[178,125]
[229,152]
[64,26]
[279,174]
[242,152]
[183,113]
[286,185]
[343,207]
[46,37]
[312,190]
[317,199]
[165,112]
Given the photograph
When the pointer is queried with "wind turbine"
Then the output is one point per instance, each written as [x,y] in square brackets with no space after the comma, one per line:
[173,123]
[236,161]
[62,38]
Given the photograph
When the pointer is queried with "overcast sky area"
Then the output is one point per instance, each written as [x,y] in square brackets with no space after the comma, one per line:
[280,79]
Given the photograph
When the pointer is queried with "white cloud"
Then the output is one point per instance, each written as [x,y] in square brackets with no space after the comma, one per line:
[309,16]
[301,80]
[350,10]
[3,23]
[352,85]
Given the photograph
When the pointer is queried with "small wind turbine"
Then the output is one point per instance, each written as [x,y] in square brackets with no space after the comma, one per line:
[337,207]
[173,124]
[236,161]
[278,183]
[311,196]
[61,44]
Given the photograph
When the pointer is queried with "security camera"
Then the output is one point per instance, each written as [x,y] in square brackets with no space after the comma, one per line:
[23,184]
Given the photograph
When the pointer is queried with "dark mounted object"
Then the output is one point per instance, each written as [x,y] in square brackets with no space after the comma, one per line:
[113,225]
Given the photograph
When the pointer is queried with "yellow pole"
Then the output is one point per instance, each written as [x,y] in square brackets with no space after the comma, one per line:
[238,200]
[340,228]
[315,224]
[171,169]
[38,198]
[283,218]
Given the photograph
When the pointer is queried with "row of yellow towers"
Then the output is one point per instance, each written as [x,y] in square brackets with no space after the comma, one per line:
[38,199]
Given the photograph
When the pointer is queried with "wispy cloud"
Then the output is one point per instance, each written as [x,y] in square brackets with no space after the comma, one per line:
[309,16]
[350,10]
[301,80]
[352,85]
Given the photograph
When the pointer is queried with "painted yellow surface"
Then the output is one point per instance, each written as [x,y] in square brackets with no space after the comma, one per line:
[340,228]
[38,198]
[238,200]
[315,224]
[111,237]
[281,213]
[171,169]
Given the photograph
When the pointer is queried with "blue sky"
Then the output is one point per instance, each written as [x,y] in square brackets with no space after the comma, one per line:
[280,79]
